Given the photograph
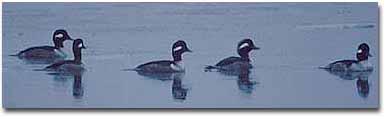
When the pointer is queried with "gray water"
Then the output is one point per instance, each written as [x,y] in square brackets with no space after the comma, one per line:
[295,39]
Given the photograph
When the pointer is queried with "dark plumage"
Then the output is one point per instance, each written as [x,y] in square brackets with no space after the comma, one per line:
[167,66]
[157,66]
[47,52]
[235,63]
[70,65]
[231,60]
[360,64]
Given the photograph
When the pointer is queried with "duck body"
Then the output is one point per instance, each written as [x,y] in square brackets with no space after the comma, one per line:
[42,52]
[70,65]
[236,64]
[349,65]
[47,52]
[361,64]
[166,66]
[231,64]
[162,66]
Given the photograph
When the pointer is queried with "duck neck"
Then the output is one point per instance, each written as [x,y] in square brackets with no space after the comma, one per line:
[58,43]
[77,55]
[362,57]
[177,57]
[244,55]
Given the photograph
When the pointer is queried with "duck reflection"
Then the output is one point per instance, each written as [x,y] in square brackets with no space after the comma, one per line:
[241,70]
[361,77]
[179,92]
[158,76]
[63,77]
[351,75]
[244,83]
[363,87]
[77,88]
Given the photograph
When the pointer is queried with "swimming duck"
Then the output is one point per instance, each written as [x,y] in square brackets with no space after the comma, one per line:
[167,66]
[70,65]
[47,52]
[234,63]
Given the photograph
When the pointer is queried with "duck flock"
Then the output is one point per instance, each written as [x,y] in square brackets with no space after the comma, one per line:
[57,62]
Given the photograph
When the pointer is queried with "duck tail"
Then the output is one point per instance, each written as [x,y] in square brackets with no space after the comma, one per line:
[17,55]
[14,55]
[323,67]
[44,69]
[131,69]
[47,68]
[209,68]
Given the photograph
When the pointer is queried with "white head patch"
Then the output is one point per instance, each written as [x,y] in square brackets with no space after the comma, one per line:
[243,45]
[360,51]
[80,45]
[59,35]
[177,48]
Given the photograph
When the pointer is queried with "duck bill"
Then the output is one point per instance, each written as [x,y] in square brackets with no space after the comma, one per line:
[189,51]
[370,55]
[256,48]
[69,38]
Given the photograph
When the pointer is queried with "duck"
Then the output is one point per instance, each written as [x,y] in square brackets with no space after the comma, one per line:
[70,65]
[167,66]
[47,52]
[234,63]
[360,64]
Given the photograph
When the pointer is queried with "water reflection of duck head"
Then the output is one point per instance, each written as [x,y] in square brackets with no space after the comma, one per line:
[77,90]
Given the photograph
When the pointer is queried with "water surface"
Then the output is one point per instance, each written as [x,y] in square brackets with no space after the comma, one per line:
[295,38]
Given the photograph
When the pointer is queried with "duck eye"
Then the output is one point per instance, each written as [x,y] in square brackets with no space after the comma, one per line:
[177,48]
[59,35]
[243,45]
[360,51]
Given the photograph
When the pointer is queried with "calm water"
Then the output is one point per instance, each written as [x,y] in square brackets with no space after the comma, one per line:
[295,40]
